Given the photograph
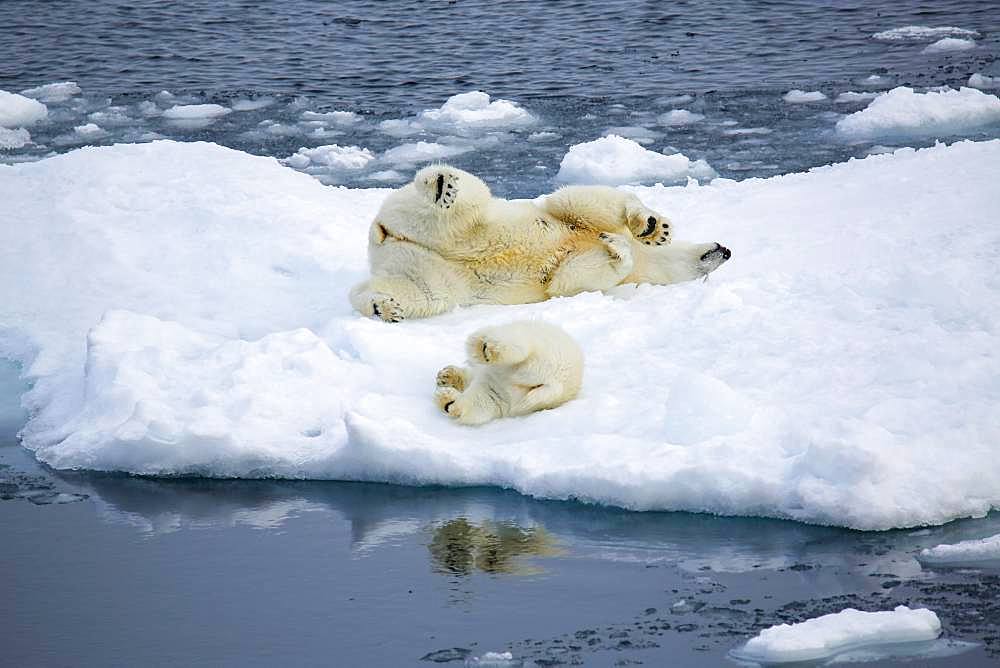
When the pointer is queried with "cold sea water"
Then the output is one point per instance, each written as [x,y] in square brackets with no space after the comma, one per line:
[107,570]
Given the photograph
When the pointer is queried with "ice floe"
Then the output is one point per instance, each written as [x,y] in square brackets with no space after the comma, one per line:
[53,92]
[831,635]
[636,133]
[463,114]
[678,117]
[180,309]
[979,80]
[965,553]
[186,112]
[13,138]
[851,96]
[922,33]
[90,131]
[422,151]
[332,155]
[20,111]
[616,160]
[246,104]
[949,44]
[902,112]
[796,96]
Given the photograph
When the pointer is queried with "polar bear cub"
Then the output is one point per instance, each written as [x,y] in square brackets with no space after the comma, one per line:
[514,369]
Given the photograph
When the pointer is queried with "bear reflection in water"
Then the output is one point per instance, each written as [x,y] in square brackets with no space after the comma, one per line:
[460,547]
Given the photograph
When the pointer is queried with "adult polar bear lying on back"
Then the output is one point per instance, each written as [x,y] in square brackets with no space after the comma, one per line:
[444,241]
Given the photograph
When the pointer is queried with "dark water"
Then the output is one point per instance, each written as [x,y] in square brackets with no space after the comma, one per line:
[581,68]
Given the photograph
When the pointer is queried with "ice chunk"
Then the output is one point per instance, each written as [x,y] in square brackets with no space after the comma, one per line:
[20,111]
[252,105]
[922,34]
[635,132]
[387,176]
[544,136]
[110,116]
[796,96]
[332,155]
[949,44]
[615,160]
[463,114]
[16,138]
[182,112]
[904,113]
[53,92]
[335,117]
[675,100]
[978,80]
[827,636]
[968,552]
[851,96]
[734,132]
[90,131]
[678,117]
[422,151]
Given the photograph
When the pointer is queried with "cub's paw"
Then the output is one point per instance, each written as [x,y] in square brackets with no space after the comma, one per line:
[451,376]
[386,308]
[446,399]
[442,187]
[618,247]
[485,348]
[713,258]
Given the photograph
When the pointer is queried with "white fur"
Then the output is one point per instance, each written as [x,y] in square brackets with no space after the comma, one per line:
[514,369]
[444,241]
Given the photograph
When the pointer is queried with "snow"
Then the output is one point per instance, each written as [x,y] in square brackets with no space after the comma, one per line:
[949,44]
[422,151]
[180,308]
[13,139]
[332,155]
[901,112]
[183,112]
[979,80]
[922,34]
[827,636]
[967,552]
[851,96]
[678,117]
[616,160]
[53,92]
[20,111]
[796,96]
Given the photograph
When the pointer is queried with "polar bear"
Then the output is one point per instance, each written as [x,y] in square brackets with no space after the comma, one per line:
[443,241]
[514,369]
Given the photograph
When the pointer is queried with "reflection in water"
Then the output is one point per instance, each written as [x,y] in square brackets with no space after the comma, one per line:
[459,547]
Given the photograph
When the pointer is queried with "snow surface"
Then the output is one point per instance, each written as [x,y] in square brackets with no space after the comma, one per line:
[53,92]
[903,113]
[922,33]
[979,80]
[616,160]
[332,155]
[184,112]
[984,550]
[16,138]
[797,96]
[949,44]
[181,309]
[827,636]
[20,111]
[679,117]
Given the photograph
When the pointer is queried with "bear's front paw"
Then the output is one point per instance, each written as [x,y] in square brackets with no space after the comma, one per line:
[443,188]
[451,376]
[386,308]
[650,228]
[618,247]
[447,400]
[486,349]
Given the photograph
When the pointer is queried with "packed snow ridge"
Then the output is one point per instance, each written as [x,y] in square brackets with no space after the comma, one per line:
[968,552]
[922,34]
[831,635]
[181,309]
[617,160]
[904,113]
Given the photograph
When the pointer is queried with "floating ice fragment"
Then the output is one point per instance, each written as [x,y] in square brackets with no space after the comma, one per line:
[679,117]
[967,552]
[336,117]
[796,96]
[747,131]
[979,80]
[422,151]
[463,114]
[615,160]
[20,111]
[90,131]
[53,92]
[635,132]
[827,636]
[851,96]
[332,155]
[252,105]
[904,113]
[110,116]
[12,139]
[922,34]
[181,112]
[544,136]
[675,100]
[949,44]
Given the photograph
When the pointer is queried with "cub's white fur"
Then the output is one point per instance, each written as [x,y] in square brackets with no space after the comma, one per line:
[514,369]
[444,241]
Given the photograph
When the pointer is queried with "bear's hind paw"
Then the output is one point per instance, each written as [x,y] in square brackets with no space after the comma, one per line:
[386,308]
[443,188]
[451,376]
[446,399]
[651,230]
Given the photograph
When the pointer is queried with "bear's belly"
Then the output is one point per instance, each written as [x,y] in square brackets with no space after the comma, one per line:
[514,275]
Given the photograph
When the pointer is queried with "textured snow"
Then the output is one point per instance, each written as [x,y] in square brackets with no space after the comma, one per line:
[904,113]
[797,96]
[181,309]
[679,117]
[332,155]
[827,636]
[922,33]
[984,550]
[16,138]
[949,44]
[979,80]
[20,111]
[53,92]
[182,112]
[616,160]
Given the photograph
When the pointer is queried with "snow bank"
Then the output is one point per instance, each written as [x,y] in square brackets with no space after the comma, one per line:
[679,117]
[922,34]
[53,92]
[16,138]
[904,113]
[978,80]
[797,96]
[187,112]
[948,45]
[19,111]
[463,114]
[615,160]
[181,309]
[338,157]
[827,636]
[984,550]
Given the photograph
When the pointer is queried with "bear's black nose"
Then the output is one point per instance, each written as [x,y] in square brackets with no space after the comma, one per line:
[726,253]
